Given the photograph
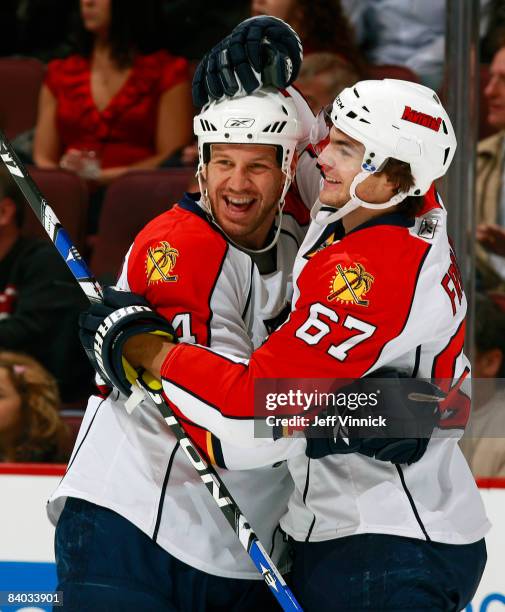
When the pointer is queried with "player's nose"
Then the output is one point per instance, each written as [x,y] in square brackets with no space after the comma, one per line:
[325,158]
[239,178]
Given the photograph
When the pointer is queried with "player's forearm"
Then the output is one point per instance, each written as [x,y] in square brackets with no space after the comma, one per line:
[216,392]
[220,379]
[148,351]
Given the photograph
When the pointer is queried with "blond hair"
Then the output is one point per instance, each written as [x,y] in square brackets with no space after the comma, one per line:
[43,435]
[341,73]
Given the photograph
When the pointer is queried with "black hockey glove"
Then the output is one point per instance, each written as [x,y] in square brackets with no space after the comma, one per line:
[410,411]
[105,327]
[260,51]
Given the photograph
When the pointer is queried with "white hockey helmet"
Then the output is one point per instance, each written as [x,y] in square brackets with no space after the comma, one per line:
[266,117]
[394,119]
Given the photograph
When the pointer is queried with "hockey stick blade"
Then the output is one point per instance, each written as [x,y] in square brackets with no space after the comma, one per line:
[93,292]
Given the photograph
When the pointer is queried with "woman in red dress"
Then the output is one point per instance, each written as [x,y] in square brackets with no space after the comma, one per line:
[117,105]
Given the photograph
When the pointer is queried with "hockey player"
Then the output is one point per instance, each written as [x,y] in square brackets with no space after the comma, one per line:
[392,525]
[217,266]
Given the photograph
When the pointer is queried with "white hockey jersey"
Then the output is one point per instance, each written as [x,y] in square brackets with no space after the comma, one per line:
[387,293]
[214,294]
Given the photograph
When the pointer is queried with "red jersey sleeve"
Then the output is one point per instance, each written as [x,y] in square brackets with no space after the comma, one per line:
[355,297]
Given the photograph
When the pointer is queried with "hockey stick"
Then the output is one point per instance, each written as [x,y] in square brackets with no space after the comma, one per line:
[93,292]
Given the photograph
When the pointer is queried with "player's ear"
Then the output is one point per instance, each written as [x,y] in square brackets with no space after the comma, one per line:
[387,184]
[204,172]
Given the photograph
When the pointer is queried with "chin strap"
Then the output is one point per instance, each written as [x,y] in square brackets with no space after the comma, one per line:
[280,206]
[355,202]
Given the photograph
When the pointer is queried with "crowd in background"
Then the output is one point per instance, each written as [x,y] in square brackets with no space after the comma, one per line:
[114,98]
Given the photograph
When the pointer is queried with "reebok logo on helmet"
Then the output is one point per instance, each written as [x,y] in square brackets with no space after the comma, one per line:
[433,123]
[239,123]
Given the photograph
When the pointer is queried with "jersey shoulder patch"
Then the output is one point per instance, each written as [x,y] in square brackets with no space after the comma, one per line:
[175,261]
[430,226]
[371,268]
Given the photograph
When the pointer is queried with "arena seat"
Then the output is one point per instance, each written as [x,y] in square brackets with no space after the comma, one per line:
[21,78]
[67,195]
[131,202]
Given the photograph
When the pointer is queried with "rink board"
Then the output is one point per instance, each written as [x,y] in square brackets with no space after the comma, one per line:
[26,536]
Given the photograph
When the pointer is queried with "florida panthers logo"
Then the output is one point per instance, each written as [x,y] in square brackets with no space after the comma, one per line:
[350,284]
[160,262]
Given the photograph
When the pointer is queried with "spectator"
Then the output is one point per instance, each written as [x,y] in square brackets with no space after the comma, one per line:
[117,103]
[321,24]
[484,442]
[39,299]
[322,77]
[490,194]
[411,33]
[406,33]
[492,28]
[31,429]
[354,11]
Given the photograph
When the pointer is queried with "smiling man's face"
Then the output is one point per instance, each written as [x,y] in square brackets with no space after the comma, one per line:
[340,162]
[244,184]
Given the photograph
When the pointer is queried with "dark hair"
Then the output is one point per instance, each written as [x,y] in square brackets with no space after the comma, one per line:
[326,28]
[494,38]
[9,189]
[399,172]
[134,29]
[489,327]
